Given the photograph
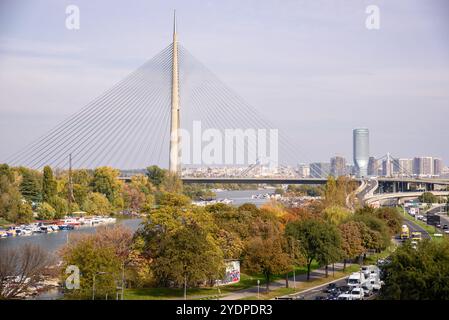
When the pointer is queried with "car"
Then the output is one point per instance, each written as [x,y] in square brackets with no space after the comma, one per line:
[320,298]
[438,225]
[331,287]
[345,296]
[446,231]
[377,285]
[357,293]
[445,227]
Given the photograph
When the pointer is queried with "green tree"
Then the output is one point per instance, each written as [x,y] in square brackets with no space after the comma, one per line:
[45,211]
[173,200]
[320,241]
[49,185]
[105,181]
[336,214]
[31,185]
[379,233]
[95,262]
[60,205]
[418,274]
[182,245]
[428,197]
[24,213]
[97,203]
[156,175]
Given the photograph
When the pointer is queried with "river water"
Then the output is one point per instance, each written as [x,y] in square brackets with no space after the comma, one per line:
[53,241]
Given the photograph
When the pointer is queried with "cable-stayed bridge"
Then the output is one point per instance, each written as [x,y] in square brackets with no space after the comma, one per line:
[138,122]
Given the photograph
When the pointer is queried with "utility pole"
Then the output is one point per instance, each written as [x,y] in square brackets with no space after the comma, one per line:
[71,198]
[123,278]
[185,286]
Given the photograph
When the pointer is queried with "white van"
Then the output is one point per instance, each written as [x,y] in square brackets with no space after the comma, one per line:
[356,279]
[370,270]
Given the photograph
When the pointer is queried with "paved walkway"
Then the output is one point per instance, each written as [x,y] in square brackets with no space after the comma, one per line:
[301,278]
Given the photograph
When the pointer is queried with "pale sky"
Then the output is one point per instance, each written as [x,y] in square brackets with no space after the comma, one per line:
[311,66]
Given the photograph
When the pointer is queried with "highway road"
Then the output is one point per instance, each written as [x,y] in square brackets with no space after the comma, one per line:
[416,228]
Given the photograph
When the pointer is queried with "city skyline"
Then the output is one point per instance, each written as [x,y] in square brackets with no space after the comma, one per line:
[42,57]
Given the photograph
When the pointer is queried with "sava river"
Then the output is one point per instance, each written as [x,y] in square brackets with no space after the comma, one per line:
[53,241]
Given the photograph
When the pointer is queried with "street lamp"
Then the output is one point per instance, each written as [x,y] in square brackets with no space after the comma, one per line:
[218,289]
[258,289]
[93,284]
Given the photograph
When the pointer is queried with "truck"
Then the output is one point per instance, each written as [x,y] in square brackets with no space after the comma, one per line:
[405,232]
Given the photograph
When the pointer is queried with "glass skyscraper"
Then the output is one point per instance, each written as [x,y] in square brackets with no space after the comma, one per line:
[361,151]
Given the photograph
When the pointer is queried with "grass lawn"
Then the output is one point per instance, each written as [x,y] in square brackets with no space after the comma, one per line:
[372,259]
[246,281]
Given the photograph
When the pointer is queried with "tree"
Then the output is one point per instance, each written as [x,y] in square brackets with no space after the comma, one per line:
[428,197]
[45,211]
[24,213]
[97,203]
[379,234]
[49,185]
[171,183]
[418,274]
[21,268]
[182,245]
[392,218]
[319,241]
[96,262]
[10,197]
[351,240]
[336,214]
[173,200]
[156,175]
[105,182]
[133,197]
[266,256]
[31,185]
[190,256]
[60,205]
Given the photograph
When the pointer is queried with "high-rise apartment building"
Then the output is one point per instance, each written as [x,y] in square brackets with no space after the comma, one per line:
[423,166]
[405,167]
[437,166]
[338,166]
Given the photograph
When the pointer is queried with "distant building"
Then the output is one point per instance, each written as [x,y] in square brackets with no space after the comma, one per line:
[350,169]
[303,170]
[361,151]
[423,166]
[338,166]
[319,169]
[405,167]
[374,167]
[437,166]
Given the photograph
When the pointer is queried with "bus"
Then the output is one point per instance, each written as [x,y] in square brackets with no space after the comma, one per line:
[416,236]
[405,232]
